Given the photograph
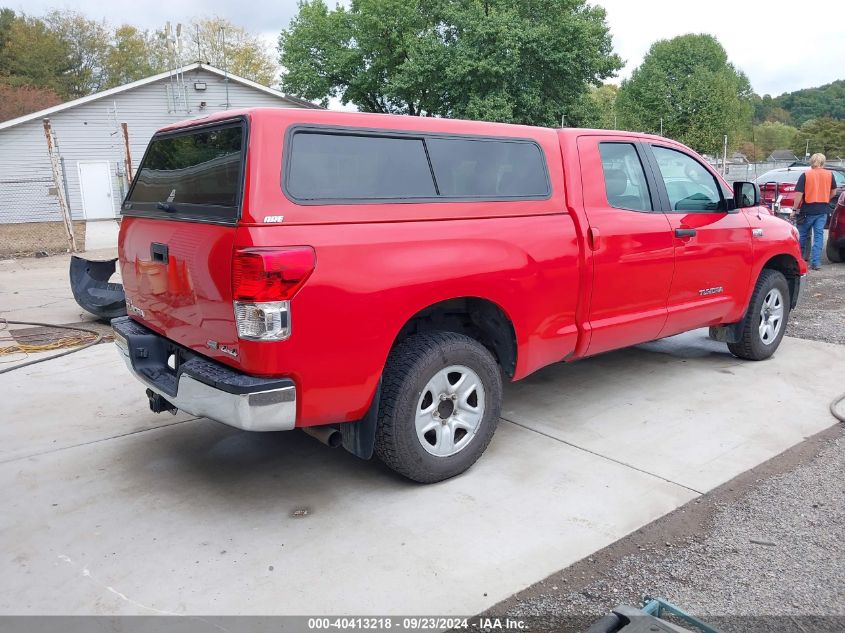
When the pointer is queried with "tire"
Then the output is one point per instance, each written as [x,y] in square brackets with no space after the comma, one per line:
[771,294]
[419,370]
[835,255]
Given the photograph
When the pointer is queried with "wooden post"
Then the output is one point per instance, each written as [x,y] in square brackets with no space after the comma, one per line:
[127,155]
[60,187]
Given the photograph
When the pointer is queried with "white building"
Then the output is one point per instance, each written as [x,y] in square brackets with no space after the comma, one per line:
[90,143]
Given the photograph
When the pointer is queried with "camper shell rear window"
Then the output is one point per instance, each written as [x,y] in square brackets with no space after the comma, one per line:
[192,174]
[328,165]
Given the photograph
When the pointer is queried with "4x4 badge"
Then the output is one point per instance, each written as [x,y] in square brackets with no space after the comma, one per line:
[231,351]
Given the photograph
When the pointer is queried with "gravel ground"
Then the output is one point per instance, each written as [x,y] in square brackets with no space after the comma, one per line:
[770,542]
[777,549]
[820,315]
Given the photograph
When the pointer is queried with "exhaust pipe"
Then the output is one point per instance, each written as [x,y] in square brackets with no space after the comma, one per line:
[328,435]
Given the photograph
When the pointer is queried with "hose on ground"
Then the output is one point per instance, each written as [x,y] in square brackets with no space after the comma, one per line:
[97,338]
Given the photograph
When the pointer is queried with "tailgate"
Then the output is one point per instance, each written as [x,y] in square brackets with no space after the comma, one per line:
[177,236]
[177,278]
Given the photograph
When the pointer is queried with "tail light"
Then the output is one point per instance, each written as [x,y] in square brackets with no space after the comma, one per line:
[264,280]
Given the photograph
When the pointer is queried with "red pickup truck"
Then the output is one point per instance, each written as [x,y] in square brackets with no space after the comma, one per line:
[373,279]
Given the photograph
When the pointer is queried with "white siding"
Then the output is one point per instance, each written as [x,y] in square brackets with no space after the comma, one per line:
[91,131]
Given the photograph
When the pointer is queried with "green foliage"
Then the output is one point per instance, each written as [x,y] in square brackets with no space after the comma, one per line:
[240,52]
[68,55]
[689,82]
[809,103]
[133,55]
[32,55]
[825,134]
[773,135]
[502,60]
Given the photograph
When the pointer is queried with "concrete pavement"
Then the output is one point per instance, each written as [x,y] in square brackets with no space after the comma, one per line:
[38,289]
[111,509]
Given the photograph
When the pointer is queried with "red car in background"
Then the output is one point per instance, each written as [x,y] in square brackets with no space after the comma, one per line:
[836,237]
[777,187]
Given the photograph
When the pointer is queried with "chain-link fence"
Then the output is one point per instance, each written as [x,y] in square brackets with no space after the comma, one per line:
[30,216]
[752,171]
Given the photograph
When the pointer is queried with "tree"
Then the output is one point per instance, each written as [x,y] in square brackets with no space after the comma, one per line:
[32,55]
[133,54]
[825,135]
[689,83]
[218,42]
[17,101]
[501,60]
[86,43]
[815,103]
[770,136]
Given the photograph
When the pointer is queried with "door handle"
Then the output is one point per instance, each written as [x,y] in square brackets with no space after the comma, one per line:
[684,232]
[158,252]
[593,238]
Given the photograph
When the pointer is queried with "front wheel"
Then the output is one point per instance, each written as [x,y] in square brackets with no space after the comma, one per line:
[765,321]
[440,404]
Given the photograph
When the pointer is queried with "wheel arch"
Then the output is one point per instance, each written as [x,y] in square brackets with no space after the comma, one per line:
[476,317]
[788,266]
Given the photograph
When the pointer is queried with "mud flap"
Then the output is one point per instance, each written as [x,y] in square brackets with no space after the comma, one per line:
[89,282]
[359,438]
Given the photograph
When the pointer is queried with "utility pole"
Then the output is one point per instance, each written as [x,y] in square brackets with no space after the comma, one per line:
[725,157]
[562,120]
[807,151]
[661,126]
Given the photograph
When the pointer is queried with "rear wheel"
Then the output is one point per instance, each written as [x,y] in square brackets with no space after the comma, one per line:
[835,255]
[764,324]
[440,404]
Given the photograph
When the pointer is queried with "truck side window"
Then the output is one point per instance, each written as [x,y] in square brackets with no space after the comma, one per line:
[689,185]
[492,169]
[350,166]
[624,178]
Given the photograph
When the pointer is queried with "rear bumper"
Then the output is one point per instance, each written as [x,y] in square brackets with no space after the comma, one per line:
[197,385]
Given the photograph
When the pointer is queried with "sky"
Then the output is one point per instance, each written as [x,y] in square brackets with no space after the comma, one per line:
[780,46]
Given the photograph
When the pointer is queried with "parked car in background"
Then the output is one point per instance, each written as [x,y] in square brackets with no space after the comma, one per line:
[777,187]
[836,237]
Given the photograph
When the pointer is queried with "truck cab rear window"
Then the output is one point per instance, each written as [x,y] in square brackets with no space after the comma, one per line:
[349,167]
[191,174]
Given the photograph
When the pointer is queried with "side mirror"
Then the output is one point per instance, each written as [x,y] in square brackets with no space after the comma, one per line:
[746,194]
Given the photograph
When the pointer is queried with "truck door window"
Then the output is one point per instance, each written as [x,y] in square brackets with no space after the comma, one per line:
[689,185]
[624,178]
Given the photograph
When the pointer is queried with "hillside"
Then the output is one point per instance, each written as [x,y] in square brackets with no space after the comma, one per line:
[803,105]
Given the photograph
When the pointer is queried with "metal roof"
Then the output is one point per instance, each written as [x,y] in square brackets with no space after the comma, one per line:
[148,80]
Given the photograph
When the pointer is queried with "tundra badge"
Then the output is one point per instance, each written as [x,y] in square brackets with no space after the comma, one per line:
[704,292]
